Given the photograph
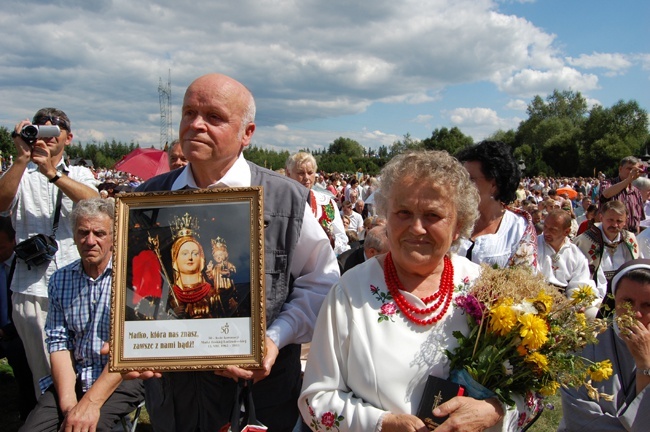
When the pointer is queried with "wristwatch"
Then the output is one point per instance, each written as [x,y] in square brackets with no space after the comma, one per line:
[645,372]
[56,177]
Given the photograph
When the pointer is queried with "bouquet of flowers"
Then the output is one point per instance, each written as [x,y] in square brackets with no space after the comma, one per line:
[525,336]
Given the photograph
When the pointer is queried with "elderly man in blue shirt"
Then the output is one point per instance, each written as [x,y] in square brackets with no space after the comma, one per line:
[80,394]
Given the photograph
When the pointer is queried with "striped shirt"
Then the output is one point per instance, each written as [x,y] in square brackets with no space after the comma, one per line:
[631,197]
[78,320]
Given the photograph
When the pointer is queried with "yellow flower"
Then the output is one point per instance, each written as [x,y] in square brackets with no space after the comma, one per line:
[584,294]
[534,331]
[581,319]
[546,300]
[549,389]
[502,319]
[540,360]
[601,370]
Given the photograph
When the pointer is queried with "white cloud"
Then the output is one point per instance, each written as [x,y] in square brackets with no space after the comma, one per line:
[479,122]
[100,60]
[517,105]
[296,139]
[591,102]
[615,63]
[423,118]
[528,82]
[644,59]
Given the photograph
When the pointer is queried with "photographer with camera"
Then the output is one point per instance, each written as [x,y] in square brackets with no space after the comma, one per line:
[38,191]
[622,189]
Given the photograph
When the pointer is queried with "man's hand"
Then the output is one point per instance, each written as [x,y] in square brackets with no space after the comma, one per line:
[41,157]
[143,375]
[81,418]
[635,173]
[67,404]
[235,373]
[23,150]
[402,423]
[467,414]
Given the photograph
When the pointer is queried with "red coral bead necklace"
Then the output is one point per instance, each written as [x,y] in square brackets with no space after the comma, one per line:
[441,298]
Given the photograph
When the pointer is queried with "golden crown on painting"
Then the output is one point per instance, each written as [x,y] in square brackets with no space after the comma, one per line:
[184,226]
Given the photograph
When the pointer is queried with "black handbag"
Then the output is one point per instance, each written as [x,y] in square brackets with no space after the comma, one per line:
[37,250]
[40,248]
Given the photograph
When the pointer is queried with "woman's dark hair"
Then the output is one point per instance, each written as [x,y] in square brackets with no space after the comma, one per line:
[498,164]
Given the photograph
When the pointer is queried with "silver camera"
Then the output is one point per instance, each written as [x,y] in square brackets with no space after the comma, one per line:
[31,133]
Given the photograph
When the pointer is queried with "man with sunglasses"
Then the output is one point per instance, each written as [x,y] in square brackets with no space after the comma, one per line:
[28,193]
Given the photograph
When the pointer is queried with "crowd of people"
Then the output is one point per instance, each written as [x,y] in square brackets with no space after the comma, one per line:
[364,268]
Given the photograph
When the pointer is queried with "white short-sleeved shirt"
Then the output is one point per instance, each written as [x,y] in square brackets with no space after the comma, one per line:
[32,212]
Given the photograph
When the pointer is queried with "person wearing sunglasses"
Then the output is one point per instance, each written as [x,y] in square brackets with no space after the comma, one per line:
[29,191]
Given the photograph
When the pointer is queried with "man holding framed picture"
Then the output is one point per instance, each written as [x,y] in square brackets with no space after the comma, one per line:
[217,123]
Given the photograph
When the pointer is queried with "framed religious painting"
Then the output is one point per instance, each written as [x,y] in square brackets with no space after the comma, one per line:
[188,280]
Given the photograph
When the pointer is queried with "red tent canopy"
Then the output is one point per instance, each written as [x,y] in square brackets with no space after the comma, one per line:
[144,163]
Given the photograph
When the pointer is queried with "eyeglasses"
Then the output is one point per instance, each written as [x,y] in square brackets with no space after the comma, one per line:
[55,121]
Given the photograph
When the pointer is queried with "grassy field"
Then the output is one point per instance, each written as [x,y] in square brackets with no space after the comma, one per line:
[10,420]
[551,416]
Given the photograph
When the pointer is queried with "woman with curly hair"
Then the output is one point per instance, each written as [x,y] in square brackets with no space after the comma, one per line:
[386,324]
[502,236]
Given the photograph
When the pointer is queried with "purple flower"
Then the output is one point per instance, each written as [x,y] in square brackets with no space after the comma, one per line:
[374,289]
[471,306]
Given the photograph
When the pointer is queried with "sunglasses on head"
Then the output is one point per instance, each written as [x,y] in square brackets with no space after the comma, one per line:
[54,121]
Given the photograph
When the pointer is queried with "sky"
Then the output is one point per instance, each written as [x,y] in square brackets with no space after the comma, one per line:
[372,71]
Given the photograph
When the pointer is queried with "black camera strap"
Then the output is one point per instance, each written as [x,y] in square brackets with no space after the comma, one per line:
[57,213]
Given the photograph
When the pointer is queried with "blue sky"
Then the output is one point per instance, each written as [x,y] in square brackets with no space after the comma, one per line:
[370,71]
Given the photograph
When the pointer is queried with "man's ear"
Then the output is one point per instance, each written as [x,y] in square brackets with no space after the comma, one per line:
[248,134]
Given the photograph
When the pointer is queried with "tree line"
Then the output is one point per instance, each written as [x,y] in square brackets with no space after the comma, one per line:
[560,137]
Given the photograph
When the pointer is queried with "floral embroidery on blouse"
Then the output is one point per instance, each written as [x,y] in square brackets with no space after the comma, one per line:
[632,245]
[526,253]
[533,406]
[388,307]
[594,252]
[328,421]
[463,286]
[327,216]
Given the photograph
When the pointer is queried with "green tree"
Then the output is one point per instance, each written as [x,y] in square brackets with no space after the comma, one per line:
[551,125]
[405,144]
[507,137]
[270,159]
[450,140]
[7,146]
[611,134]
[346,147]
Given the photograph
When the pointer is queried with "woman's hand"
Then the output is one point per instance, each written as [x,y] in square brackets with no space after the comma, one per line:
[402,423]
[637,340]
[467,414]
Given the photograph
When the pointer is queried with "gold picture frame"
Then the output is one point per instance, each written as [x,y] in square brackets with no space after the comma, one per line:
[188,280]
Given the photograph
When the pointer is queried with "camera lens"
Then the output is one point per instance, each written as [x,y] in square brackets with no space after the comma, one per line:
[29,132]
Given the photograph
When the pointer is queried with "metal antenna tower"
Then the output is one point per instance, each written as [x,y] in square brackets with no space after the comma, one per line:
[165,93]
